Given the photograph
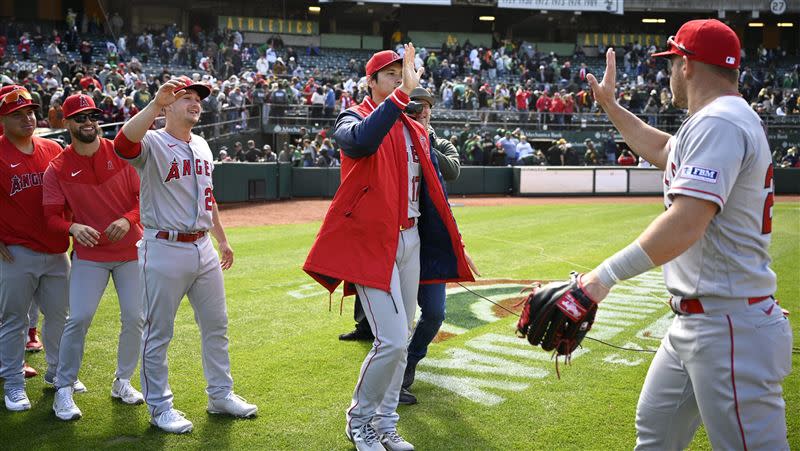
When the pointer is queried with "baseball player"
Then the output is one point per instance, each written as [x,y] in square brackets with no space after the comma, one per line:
[430,297]
[729,347]
[33,260]
[176,256]
[104,243]
[383,235]
[33,344]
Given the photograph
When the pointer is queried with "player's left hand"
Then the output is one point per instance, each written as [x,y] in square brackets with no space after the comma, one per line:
[411,74]
[225,255]
[592,286]
[117,229]
[472,266]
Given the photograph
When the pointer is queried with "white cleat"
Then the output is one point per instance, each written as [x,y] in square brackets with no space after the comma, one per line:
[173,421]
[392,441]
[64,406]
[123,390]
[232,404]
[17,400]
[77,387]
[364,438]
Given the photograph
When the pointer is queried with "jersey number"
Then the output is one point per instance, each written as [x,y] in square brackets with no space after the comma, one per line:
[766,220]
[209,193]
[415,188]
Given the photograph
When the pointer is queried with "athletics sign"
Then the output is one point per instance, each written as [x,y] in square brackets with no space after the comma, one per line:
[604,6]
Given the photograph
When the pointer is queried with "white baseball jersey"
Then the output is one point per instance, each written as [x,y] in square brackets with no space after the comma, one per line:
[720,154]
[414,177]
[176,188]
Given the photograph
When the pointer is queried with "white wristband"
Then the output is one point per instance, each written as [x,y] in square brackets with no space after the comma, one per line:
[625,264]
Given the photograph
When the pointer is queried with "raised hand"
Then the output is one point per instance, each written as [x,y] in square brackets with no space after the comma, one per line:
[411,75]
[605,91]
[169,93]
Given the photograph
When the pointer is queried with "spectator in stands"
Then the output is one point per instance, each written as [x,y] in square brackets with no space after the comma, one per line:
[509,145]
[252,154]
[571,157]
[55,116]
[543,106]
[524,151]
[223,155]
[268,155]
[590,156]
[626,158]
[141,97]
[555,153]
[238,152]
[790,160]
[498,156]
[317,102]
[85,50]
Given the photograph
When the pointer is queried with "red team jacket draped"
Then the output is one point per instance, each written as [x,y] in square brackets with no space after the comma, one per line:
[358,239]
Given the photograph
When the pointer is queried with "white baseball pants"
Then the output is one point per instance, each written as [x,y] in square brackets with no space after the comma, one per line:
[390,316]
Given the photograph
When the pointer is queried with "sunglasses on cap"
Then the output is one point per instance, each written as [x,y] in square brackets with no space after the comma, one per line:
[15,95]
[671,41]
[80,118]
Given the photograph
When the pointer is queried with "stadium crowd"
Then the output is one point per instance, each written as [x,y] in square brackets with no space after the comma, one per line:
[509,79]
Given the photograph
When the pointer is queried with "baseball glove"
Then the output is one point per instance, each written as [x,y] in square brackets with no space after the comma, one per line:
[557,316]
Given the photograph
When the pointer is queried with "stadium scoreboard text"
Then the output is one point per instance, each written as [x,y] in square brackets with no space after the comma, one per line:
[269,25]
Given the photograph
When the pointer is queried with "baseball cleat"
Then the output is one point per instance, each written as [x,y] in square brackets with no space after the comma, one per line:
[77,387]
[29,371]
[64,406]
[357,335]
[17,400]
[232,404]
[173,421]
[406,397]
[364,438]
[392,441]
[123,390]
[33,344]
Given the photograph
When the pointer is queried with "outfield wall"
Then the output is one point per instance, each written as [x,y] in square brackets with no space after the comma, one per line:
[243,182]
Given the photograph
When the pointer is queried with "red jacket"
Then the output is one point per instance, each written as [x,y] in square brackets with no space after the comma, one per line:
[358,239]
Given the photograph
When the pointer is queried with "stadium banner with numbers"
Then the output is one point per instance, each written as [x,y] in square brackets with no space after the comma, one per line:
[269,25]
[602,6]
[607,39]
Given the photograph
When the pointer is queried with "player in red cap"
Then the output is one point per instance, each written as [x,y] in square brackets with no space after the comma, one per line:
[33,260]
[729,348]
[388,228]
[104,242]
[178,211]
[33,344]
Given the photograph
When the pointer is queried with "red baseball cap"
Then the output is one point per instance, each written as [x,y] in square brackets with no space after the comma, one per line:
[381,60]
[707,41]
[78,103]
[13,98]
[201,89]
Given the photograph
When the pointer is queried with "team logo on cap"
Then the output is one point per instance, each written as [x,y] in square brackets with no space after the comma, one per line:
[730,60]
[83,102]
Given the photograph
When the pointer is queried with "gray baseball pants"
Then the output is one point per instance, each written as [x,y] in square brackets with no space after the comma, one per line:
[723,368]
[32,276]
[390,316]
[88,281]
[168,271]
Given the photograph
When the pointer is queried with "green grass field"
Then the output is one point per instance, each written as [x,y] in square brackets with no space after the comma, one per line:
[477,391]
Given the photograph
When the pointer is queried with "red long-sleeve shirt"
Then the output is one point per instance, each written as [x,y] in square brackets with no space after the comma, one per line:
[21,216]
[98,189]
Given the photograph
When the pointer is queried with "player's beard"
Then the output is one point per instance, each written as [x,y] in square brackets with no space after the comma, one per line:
[85,137]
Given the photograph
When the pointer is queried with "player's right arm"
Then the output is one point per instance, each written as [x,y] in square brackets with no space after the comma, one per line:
[127,140]
[646,141]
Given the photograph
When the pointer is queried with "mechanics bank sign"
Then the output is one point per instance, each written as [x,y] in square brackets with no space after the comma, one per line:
[606,6]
